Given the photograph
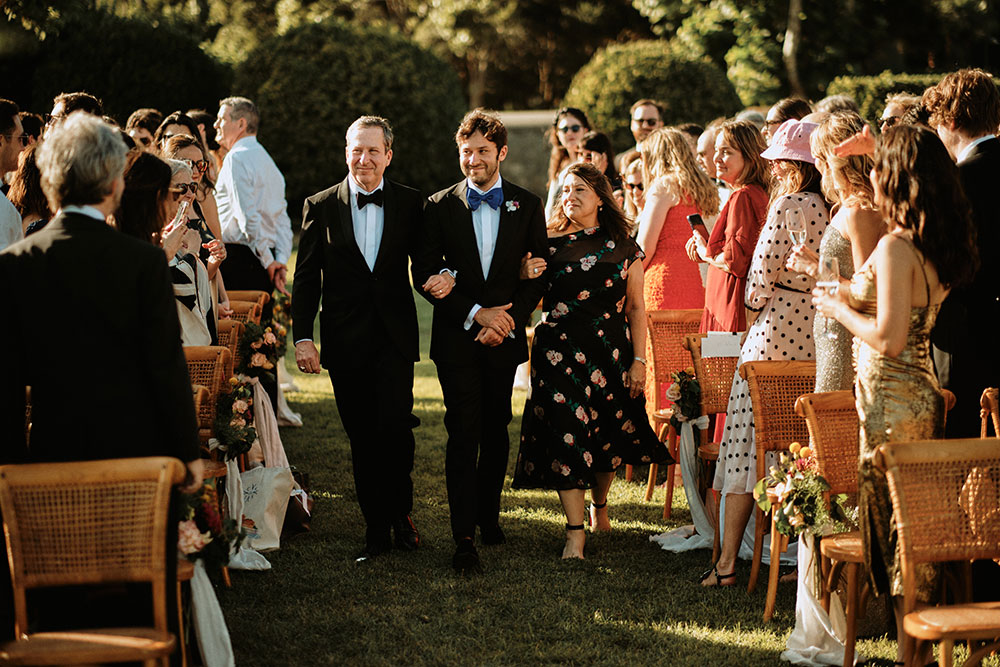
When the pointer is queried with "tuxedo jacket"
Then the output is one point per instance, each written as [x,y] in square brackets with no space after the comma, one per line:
[357,301]
[448,240]
[91,326]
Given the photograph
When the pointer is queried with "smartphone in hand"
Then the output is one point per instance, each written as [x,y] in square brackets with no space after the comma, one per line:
[698,226]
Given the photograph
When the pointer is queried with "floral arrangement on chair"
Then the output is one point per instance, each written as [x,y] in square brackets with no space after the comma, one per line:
[258,351]
[802,493]
[281,321]
[685,393]
[202,532]
[234,419]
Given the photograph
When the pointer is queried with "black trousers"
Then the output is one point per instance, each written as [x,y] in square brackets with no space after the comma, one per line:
[243,271]
[477,412]
[375,402]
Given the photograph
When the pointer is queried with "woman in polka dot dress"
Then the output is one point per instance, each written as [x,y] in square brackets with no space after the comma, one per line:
[779,317]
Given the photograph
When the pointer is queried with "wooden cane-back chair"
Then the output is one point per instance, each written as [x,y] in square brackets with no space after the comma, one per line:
[210,366]
[257,296]
[666,330]
[230,332]
[246,311]
[715,377]
[990,404]
[88,522]
[946,504]
[774,388]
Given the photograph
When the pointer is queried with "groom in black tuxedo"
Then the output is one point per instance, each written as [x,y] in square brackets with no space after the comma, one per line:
[353,252]
[474,236]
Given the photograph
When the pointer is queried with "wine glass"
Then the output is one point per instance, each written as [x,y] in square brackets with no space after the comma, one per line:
[795,222]
[829,282]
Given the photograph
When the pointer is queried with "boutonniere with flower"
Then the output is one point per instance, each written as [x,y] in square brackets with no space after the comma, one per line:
[512,205]
[685,392]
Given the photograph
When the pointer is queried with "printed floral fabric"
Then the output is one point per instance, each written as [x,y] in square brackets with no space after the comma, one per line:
[579,419]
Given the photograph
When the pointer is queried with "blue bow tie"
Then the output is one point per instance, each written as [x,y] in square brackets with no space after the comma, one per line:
[493,198]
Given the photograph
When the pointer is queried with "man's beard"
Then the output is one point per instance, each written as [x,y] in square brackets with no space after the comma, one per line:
[484,177]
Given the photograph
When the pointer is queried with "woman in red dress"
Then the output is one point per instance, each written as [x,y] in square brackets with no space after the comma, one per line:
[730,247]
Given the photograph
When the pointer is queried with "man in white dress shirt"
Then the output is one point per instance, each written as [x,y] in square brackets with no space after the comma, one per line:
[250,194]
[12,142]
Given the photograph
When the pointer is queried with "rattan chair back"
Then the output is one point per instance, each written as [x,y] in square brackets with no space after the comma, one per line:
[832,420]
[946,502]
[667,329]
[210,366]
[774,388]
[258,296]
[990,411]
[230,331]
[714,374]
[246,311]
[88,522]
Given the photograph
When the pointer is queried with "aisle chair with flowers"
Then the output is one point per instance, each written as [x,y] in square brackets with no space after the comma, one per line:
[990,404]
[257,296]
[115,513]
[246,311]
[715,380]
[230,331]
[774,388]
[666,330]
[945,499]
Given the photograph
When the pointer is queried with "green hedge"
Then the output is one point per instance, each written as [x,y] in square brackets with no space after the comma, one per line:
[127,63]
[691,90]
[870,91]
[312,82]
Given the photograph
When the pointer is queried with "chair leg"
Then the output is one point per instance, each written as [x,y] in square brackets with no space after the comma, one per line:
[772,573]
[628,472]
[225,577]
[758,548]
[852,613]
[946,650]
[180,626]
[826,586]
[654,468]
[673,447]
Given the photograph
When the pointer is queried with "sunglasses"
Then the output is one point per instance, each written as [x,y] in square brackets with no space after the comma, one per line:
[563,129]
[635,186]
[182,188]
[200,165]
[651,122]
[50,119]
[888,122]
[22,137]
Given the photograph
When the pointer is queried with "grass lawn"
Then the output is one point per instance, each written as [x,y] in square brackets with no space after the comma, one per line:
[629,602]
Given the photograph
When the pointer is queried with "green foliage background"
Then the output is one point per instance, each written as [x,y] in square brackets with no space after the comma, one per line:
[690,89]
[315,79]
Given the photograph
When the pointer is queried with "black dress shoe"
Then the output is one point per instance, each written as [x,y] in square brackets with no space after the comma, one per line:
[407,538]
[373,549]
[492,535]
[466,558]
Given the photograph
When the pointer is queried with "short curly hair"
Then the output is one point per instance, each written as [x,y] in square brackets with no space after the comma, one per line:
[968,98]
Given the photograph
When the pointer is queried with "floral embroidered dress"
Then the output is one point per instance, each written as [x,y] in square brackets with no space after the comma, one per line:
[579,419]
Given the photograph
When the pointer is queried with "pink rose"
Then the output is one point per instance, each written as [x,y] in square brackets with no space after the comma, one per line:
[240,406]
[580,357]
[588,459]
[569,439]
[581,414]
[583,295]
[258,360]
[559,398]
[189,539]
[270,339]
[237,421]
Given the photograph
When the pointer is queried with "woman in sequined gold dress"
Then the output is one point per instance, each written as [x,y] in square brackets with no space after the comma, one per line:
[851,237]
[890,306]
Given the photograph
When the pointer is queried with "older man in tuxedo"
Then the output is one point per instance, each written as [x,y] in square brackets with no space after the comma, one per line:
[965,110]
[353,255]
[470,250]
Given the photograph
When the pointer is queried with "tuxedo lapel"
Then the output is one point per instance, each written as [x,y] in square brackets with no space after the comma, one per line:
[347,224]
[466,231]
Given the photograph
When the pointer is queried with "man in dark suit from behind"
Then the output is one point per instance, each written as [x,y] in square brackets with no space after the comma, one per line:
[353,256]
[91,326]
[965,110]
[478,229]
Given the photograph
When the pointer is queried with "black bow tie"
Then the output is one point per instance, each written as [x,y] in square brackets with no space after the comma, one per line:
[374,198]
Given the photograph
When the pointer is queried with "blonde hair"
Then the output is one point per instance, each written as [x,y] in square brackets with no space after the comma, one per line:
[667,155]
[851,171]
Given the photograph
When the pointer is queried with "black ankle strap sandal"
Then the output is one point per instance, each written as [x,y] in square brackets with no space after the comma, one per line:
[599,506]
[578,526]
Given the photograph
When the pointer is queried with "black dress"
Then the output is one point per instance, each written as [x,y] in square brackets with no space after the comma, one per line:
[579,419]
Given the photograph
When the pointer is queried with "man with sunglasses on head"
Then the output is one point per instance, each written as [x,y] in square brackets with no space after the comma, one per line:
[646,115]
[12,142]
[64,104]
[141,126]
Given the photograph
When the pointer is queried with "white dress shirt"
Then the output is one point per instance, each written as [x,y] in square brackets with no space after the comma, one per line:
[486,223]
[11,230]
[250,195]
[368,223]
[964,155]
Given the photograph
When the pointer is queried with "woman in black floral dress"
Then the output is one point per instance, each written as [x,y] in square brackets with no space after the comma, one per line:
[585,415]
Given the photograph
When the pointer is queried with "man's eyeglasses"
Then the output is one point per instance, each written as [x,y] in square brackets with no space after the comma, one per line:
[22,137]
[635,186]
[563,129]
[52,120]
[182,188]
[649,122]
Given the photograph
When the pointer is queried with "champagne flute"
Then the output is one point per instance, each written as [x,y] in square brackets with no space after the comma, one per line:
[829,282]
[795,222]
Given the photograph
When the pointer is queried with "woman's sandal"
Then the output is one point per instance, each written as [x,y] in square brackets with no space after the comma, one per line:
[719,578]
[570,527]
[592,515]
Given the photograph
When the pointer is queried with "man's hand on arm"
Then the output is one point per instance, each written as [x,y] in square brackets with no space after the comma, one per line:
[439,286]
[489,337]
[307,357]
[496,318]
